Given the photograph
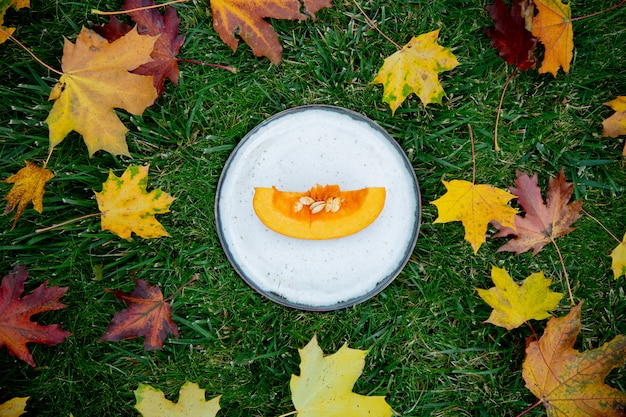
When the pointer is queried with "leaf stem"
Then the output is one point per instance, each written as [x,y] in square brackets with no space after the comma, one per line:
[194,278]
[569,287]
[54,226]
[30,52]
[138,9]
[48,158]
[532,330]
[289,414]
[621,3]
[601,225]
[529,409]
[208,64]
[495,131]
[373,25]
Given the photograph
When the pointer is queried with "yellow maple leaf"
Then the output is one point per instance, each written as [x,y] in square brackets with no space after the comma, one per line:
[14,407]
[151,402]
[95,81]
[4,6]
[570,383]
[127,206]
[615,125]
[415,69]
[515,304]
[475,206]
[619,259]
[28,185]
[553,26]
[324,387]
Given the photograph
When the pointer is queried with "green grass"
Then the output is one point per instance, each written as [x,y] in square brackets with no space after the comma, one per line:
[430,353]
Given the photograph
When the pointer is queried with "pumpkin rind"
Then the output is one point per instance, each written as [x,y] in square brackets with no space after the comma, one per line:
[358,209]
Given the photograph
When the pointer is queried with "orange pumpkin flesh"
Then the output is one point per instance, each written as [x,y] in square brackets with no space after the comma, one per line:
[336,214]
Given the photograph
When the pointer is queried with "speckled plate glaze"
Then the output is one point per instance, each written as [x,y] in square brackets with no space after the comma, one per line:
[294,150]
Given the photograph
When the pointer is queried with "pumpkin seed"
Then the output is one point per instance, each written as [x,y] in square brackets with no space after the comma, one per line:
[317,207]
[333,204]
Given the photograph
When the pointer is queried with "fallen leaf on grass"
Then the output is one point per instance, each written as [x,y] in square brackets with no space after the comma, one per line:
[553,26]
[246,19]
[324,387]
[615,125]
[542,222]
[619,259]
[127,206]
[14,407]
[515,304]
[570,383]
[4,5]
[95,81]
[515,44]
[415,69]
[164,63]
[113,30]
[475,206]
[151,402]
[16,327]
[28,185]
[147,315]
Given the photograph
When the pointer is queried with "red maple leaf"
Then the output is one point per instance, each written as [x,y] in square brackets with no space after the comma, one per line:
[515,44]
[113,30]
[150,22]
[148,315]
[16,328]
[542,222]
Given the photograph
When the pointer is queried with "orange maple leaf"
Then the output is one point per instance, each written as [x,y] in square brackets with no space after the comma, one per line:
[570,383]
[542,223]
[128,207]
[95,81]
[28,185]
[615,125]
[245,18]
[164,62]
[553,26]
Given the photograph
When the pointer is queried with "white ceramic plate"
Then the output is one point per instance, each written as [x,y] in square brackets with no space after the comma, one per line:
[293,151]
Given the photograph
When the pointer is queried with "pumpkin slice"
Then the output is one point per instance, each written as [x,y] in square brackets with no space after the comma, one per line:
[323,212]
